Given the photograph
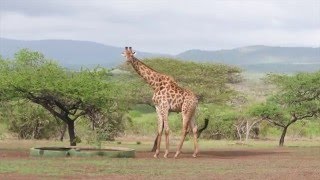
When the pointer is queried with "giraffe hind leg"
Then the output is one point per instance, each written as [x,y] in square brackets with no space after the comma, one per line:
[185,124]
[194,129]
[188,118]
[166,131]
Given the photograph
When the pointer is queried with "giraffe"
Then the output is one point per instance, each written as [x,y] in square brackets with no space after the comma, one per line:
[168,97]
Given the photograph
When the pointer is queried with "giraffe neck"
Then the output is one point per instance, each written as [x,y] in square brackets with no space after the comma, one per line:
[151,76]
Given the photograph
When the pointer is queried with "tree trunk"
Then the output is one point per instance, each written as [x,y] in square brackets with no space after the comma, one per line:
[63,115]
[285,128]
[239,131]
[240,137]
[248,128]
[62,133]
[284,131]
[71,133]
[35,131]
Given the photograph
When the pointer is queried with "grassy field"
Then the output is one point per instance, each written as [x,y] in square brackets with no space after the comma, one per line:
[217,160]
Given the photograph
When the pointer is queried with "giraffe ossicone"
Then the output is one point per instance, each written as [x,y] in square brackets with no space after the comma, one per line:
[168,96]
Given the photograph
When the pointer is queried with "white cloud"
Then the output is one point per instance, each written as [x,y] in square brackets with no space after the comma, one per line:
[163,25]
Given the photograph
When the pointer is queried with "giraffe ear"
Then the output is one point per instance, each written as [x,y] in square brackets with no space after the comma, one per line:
[123,54]
[134,53]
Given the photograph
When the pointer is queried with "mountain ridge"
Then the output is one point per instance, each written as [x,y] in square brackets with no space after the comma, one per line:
[88,53]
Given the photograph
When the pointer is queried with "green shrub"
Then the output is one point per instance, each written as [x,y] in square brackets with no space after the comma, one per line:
[30,121]
[221,120]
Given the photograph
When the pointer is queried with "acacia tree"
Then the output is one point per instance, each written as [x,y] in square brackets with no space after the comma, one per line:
[67,95]
[297,98]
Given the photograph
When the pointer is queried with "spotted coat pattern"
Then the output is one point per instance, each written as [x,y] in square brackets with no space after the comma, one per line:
[168,96]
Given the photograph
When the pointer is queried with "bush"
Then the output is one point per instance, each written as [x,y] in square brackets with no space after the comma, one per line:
[30,121]
[102,125]
[221,120]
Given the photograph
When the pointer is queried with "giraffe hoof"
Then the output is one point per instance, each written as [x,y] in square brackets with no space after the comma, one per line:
[194,155]
[176,155]
[156,156]
[166,154]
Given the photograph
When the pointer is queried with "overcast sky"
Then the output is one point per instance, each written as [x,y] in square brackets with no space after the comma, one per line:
[165,26]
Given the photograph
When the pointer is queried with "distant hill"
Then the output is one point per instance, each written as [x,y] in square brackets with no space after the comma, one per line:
[252,58]
[262,58]
[257,55]
[69,52]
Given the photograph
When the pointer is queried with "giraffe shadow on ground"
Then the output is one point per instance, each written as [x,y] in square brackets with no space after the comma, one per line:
[231,154]
[221,154]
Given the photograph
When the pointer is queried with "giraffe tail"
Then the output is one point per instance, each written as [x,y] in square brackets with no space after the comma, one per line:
[206,122]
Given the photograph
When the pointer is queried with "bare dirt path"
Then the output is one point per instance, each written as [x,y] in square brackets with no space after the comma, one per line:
[243,163]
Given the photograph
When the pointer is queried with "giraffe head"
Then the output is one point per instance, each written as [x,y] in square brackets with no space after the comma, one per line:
[128,53]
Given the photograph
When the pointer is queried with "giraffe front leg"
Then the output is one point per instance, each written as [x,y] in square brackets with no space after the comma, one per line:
[164,116]
[160,127]
[166,131]
[162,112]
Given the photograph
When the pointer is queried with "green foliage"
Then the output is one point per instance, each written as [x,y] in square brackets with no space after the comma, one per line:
[29,121]
[266,110]
[221,120]
[299,94]
[312,128]
[305,128]
[268,131]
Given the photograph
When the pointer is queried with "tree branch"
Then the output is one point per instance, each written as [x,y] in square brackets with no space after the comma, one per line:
[312,114]
[316,95]
[274,122]
[255,122]
[43,101]
[79,115]
[61,106]
[54,113]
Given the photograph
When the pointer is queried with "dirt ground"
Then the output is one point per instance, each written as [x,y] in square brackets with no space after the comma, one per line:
[275,163]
